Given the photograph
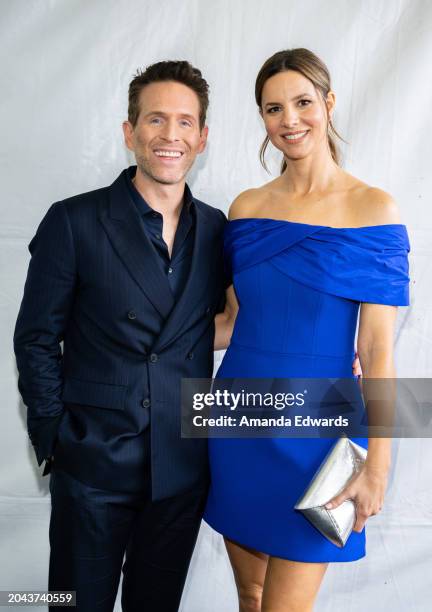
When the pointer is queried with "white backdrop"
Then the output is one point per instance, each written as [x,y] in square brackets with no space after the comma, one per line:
[64,78]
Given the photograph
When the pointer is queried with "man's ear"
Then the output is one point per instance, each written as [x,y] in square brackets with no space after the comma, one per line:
[203,139]
[128,135]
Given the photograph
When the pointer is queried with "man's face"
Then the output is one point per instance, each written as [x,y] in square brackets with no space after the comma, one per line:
[167,136]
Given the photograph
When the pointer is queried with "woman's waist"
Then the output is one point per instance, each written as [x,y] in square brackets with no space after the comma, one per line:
[248,361]
[333,339]
[252,348]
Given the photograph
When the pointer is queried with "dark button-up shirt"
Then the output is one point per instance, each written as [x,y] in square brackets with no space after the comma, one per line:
[178,265]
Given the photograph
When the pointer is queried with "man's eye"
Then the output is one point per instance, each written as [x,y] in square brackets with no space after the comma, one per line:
[155,120]
[185,123]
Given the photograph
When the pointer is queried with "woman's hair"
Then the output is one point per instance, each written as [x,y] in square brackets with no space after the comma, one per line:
[310,66]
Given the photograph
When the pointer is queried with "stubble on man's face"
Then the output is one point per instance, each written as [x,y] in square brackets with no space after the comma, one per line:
[154,173]
[167,137]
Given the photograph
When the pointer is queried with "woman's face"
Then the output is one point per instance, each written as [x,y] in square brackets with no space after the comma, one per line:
[295,115]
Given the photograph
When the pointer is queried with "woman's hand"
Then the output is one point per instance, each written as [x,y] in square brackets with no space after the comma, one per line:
[356,367]
[366,489]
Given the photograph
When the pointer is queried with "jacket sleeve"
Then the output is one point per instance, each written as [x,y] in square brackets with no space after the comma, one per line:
[46,305]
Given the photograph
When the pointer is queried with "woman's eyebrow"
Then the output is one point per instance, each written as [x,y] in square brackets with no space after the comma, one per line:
[295,98]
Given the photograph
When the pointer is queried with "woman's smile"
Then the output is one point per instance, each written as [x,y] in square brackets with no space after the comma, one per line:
[295,137]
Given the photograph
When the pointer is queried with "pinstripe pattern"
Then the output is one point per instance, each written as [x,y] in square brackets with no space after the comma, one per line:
[95,282]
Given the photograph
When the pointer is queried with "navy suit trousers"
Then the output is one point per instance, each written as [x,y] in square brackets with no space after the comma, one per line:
[95,534]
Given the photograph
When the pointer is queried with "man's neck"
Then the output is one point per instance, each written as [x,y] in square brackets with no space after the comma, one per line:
[165,199]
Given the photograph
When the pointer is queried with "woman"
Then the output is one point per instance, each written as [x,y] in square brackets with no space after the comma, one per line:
[307,250]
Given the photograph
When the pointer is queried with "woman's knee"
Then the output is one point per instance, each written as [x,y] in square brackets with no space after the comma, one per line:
[250,597]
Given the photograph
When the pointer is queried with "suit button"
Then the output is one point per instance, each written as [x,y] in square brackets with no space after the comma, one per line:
[131,315]
[190,355]
[153,358]
[146,403]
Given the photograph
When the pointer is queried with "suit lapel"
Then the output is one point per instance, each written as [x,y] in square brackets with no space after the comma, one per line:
[196,283]
[125,230]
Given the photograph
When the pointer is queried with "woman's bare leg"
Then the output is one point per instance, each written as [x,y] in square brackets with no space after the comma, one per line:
[249,567]
[291,586]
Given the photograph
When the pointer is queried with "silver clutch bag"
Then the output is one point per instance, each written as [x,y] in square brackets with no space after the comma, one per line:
[343,460]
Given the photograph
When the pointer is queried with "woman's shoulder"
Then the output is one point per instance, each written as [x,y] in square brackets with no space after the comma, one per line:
[372,206]
[247,203]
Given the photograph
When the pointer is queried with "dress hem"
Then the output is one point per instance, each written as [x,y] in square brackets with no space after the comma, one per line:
[279,556]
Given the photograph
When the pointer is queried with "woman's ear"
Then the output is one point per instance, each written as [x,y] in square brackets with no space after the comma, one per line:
[330,103]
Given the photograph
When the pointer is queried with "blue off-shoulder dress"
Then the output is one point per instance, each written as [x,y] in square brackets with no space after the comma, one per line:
[299,288]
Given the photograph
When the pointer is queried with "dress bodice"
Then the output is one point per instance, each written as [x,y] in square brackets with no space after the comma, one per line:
[299,286]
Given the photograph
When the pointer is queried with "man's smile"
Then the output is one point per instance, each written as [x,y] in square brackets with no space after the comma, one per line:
[168,155]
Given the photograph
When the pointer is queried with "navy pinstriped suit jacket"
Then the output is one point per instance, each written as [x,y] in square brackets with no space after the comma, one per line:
[95,282]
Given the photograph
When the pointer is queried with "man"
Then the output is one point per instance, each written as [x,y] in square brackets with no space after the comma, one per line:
[129,277]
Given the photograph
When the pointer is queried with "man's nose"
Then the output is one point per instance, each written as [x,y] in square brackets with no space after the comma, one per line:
[170,131]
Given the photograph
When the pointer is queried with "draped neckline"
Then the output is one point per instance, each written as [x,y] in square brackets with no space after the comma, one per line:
[365,263]
[330,227]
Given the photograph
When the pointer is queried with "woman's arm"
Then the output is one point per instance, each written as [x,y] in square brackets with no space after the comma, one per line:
[224,321]
[375,348]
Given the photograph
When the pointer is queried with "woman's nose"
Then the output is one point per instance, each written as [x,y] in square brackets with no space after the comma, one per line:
[289,117]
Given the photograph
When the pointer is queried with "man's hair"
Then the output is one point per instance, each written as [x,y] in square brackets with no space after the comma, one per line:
[179,71]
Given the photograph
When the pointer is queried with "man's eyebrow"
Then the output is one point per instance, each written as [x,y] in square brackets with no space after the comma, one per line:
[163,114]
[295,98]
[189,116]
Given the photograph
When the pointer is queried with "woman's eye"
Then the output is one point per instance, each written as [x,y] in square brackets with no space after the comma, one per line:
[273,109]
[304,100]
